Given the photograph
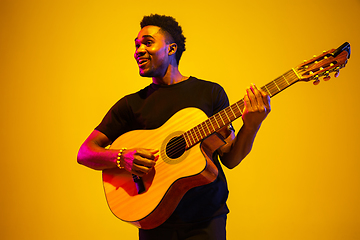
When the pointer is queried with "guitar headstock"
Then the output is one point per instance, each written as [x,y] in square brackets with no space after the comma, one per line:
[321,66]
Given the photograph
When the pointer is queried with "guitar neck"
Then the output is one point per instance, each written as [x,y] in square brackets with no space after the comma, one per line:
[234,111]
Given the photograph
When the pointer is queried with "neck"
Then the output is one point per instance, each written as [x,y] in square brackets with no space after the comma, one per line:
[171,76]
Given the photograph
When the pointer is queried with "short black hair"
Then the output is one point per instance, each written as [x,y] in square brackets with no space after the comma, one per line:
[169,25]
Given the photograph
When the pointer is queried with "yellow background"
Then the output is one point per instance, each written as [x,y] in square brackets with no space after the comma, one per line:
[65,63]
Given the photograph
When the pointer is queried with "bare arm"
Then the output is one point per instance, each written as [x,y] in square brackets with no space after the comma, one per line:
[257,107]
[93,154]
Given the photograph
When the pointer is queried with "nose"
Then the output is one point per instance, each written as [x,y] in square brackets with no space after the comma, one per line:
[140,51]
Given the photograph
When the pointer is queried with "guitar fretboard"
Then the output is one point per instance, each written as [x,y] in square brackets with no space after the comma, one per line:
[234,111]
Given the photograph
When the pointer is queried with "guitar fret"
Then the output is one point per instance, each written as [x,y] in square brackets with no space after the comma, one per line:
[213,129]
[202,131]
[233,113]
[212,124]
[281,84]
[198,133]
[216,121]
[239,108]
[297,75]
[277,86]
[207,128]
[286,80]
[222,118]
[193,134]
[204,127]
[271,88]
[268,90]
[196,129]
[227,116]
[187,144]
[189,139]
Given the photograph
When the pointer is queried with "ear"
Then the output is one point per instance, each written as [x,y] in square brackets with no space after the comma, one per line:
[172,48]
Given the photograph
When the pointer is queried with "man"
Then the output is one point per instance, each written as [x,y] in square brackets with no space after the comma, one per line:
[201,214]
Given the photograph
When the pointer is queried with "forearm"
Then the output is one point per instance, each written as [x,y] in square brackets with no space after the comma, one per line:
[257,107]
[96,157]
[93,153]
[240,147]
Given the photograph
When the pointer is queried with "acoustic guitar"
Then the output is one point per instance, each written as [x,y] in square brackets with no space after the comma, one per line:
[187,142]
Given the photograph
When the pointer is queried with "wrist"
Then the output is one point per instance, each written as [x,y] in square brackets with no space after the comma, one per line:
[119,157]
[250,129]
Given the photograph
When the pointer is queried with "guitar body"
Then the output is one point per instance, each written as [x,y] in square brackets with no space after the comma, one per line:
[170,179]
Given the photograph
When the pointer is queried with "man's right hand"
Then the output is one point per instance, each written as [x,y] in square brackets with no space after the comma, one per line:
[139,161]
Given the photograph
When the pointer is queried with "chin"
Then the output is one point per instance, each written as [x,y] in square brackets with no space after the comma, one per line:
[146,73]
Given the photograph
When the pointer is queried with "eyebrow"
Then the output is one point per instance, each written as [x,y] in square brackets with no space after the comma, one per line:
[145,36]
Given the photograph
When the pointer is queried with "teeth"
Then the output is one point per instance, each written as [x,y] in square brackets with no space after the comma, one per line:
[142,61]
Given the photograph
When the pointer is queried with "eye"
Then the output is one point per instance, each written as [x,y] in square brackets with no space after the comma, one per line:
[149,43]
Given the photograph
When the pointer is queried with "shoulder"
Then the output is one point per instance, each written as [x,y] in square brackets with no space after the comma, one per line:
[202,81]
[205,84]
[136,96]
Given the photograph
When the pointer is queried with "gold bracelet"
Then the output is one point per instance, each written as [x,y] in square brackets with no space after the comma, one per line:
[118,158]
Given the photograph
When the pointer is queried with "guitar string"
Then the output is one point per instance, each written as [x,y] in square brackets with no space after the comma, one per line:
[200,134]
[272,88]
[173,149]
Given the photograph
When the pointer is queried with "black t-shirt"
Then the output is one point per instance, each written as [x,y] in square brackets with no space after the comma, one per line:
[150,108]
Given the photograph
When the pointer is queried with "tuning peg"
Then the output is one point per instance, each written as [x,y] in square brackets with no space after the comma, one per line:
[327,78]
[337,74]
[316,82]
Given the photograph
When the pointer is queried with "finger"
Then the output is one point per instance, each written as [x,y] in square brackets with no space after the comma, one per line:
[153,151]
[141,169]
[144,161]
[252,99]
[247,103]
[148,153]
[258,98]
[266,99]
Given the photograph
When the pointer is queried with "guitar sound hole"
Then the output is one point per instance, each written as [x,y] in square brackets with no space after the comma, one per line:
[175,147]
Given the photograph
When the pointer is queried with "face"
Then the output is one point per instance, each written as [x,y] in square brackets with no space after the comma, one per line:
[152,52]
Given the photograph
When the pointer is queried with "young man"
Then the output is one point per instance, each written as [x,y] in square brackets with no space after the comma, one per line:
[201,214]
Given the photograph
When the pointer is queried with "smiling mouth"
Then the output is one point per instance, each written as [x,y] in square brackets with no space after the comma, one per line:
[142,62]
